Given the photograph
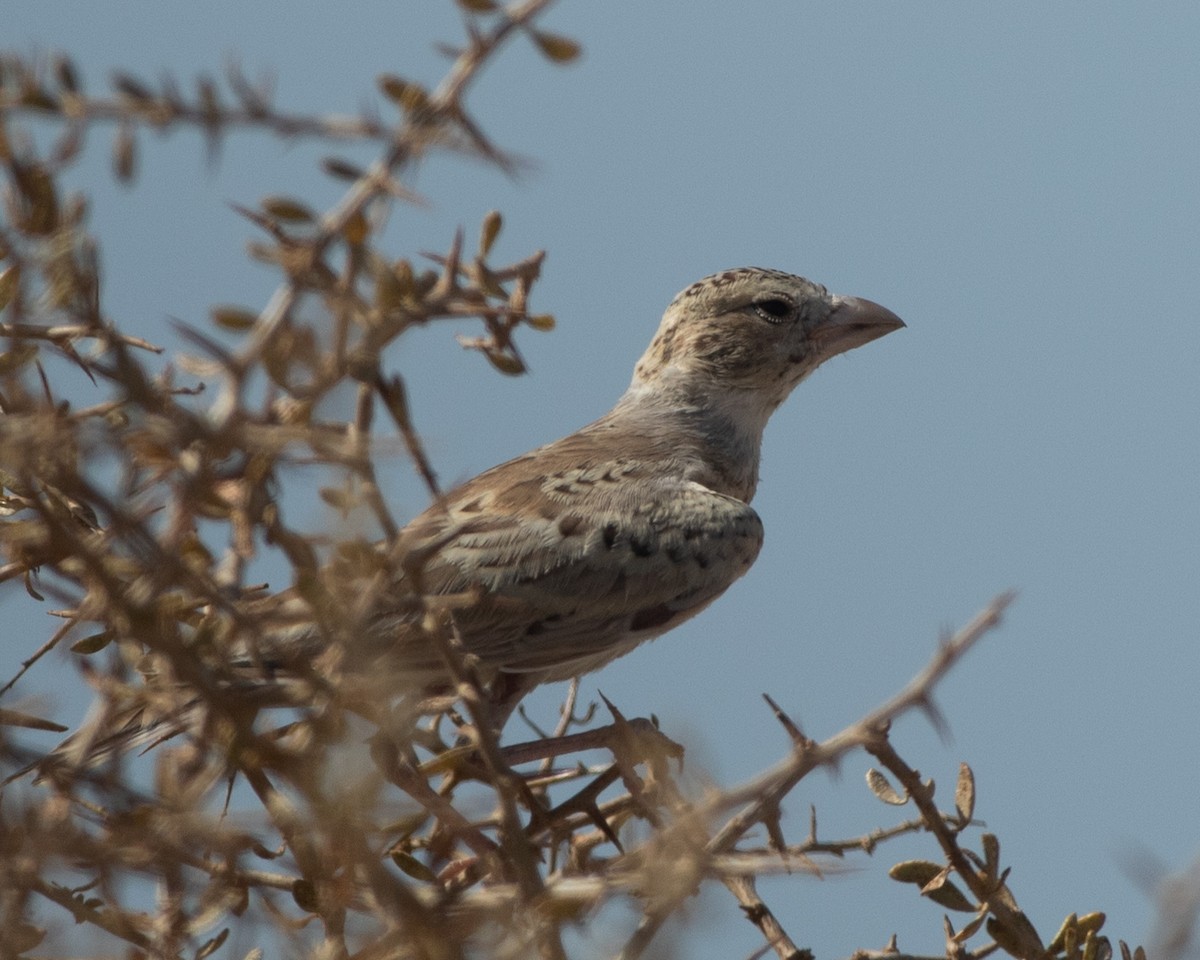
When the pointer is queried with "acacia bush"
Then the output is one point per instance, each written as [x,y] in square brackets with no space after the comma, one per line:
[187,814]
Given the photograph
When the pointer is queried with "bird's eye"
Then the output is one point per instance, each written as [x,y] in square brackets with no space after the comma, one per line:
[774,309]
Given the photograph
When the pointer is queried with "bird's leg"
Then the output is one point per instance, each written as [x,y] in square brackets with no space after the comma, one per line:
[505,692]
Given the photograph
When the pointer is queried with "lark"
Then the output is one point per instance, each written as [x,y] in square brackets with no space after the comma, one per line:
[563,559]
[575,553]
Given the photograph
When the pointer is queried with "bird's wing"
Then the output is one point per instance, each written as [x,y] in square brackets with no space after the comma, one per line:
[578,566]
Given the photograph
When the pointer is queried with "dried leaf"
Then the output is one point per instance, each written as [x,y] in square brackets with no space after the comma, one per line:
[212,946]
[557,48]
[35,98]
[1003,935]
[413,867]
[192,550]
[489,231]
[124,153]
[972,928]
[991,853]
[10,279]
[233,318]
[305,895]
[1074,927]
[937,881]
[541,321]
[448,760]
[964,794]
[915,871]
[12,360]
[357,229]
[288,210]
[402,276]
[882,788]
[134,89]
[404,93]
[66,74]
[338,499]
[934,881]
[22,937]
[341,169]
[506,363]
[946,894]
[36,186]
[94,643]
[15,718]
[478,6]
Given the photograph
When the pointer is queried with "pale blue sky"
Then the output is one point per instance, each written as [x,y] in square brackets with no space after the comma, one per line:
[1017,181]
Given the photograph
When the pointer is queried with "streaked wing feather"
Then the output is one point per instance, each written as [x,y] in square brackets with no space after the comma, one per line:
[577,570]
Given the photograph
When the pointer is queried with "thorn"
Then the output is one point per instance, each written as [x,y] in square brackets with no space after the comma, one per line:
[601,823]
[792,728]
[448,281]
[937,719]
[617,716]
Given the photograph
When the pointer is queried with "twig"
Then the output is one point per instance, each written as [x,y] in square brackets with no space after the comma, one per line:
[764,792]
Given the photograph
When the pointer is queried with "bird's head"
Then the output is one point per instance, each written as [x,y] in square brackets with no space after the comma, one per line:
[752,335]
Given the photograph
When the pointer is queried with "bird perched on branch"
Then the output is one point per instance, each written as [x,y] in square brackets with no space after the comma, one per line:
[582,549]
[562,559]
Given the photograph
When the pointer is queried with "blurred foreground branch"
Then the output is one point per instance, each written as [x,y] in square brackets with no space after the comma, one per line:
[258,821]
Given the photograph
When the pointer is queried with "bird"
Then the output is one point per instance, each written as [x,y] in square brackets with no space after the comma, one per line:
[580,550]
[560,560]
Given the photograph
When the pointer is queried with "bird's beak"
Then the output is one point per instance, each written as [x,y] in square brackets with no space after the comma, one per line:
[851,323]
